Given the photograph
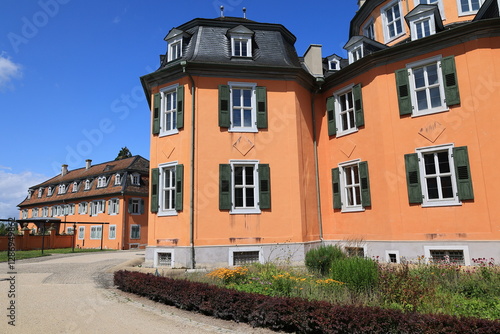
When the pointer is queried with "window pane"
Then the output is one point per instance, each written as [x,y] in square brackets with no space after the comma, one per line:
[432,75]
[238,197]
[432,188]
[247,118]
[250,197]
[349,193]
[465,5]
[418,73]
[249,175]
[348,176]
[356,174]
[238,175]
[446,187]
[237,97]
[357,192]
[345,121]
[435,97]
[475,4]
[247,98]
[244,52]
[430,168]
[422,100]
[236,117]
[444,164]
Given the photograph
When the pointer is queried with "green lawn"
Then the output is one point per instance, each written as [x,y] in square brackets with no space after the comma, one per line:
[19,255]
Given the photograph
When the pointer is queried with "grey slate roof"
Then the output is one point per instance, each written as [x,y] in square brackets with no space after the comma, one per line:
[272,44]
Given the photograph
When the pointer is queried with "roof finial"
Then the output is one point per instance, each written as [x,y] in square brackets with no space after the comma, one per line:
[221,11]
[244,13]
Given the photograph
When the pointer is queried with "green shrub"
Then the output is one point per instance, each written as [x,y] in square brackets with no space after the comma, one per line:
[319,260]
[358,273]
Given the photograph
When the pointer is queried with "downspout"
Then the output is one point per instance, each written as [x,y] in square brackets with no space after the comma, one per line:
[319,82]
[191,178]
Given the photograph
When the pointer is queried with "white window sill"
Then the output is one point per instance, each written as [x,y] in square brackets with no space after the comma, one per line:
[392,39]
[168,133]
[166,213]
[249,211]
[254,130]
[430,112]
[440,203]
[353,209]
[347,132]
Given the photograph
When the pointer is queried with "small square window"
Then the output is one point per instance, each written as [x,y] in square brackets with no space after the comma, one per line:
[135,231]
[355,251]
[245,257]
[164,259]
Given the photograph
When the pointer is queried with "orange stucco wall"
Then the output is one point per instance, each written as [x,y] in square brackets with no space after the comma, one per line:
[286,145]
[386,137]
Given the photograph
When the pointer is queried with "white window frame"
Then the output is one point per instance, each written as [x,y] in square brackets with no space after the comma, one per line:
[40,192]
[45,211]
[136,203]
[388,258]
[175,49]
[114,206]
[69,209]
[420,19]
[426,202]
[132,226]
[253,108]
[135,179]
[429,2]
[34,212]
[112,232]
[470,11]
[356,52]
[97,207]
[62,189]
[102,182]
[241,39]
[171,189]
[118,179]
[411,69]
[69,230]
[163,250]
[83,208]
[233,250]
[463,248]
[386,22]
[24,214]
[95,232]
[344,187]
[75,187]
[339,112]
[50,191]
[369,29]
[81,232]
[333,61]
[167,110]
[87,185]
[255,209]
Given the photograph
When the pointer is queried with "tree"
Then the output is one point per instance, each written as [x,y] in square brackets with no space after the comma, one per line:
[124,153]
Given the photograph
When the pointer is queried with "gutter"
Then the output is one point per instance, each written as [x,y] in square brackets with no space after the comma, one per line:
[319,82]
[191,178]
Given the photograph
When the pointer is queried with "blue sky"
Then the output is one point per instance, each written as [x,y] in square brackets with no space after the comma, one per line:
[69,74]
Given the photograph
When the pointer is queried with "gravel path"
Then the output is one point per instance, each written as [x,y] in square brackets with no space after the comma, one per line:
[73,294]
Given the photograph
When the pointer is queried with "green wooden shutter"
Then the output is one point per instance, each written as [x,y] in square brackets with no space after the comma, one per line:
[449,72]
[179,178]
[413,178]
[404,96]
[264,186]
[365,184]
[358,105]
[224,119]
[337,203]
[156,113]
[330,115]
[261,107]
[462,173]
[155,178]
[225,187]
[141,208]
[180,107]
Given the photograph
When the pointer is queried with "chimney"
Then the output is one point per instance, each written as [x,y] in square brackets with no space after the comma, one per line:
[221,11]
[88,163]
[244,13]
[314,61]
[64,170]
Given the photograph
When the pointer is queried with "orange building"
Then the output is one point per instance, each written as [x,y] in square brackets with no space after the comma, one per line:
[258,154]
[107,203]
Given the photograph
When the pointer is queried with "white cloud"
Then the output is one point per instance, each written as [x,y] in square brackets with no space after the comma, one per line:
[8,70]
[13,190]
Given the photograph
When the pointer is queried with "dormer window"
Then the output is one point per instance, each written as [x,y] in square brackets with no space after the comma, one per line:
[75,187]
[30,192]
[392,21]
[40,192]
[333,63]
[87,185]
[241,41]
[101,182]
[62,189]
[50,191]
[369,30]
[118,179]
[424,20]
[361,46]
[175,40]
[136,179]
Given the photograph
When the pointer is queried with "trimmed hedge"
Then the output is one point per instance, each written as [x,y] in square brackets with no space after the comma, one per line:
[291,314]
